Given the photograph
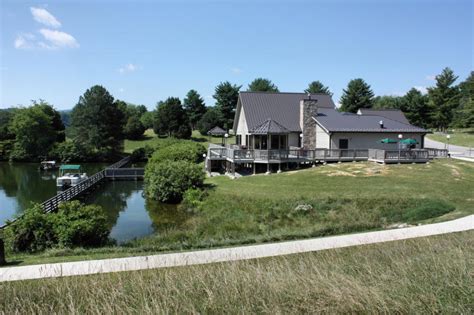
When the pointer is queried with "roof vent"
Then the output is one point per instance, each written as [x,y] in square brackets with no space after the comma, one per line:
[381,124]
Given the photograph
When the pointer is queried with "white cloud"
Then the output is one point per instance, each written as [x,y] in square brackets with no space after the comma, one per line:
[422,89]
[57,39]
[24,41]
[128,68]
[44,17]
[431,77]
[236,70]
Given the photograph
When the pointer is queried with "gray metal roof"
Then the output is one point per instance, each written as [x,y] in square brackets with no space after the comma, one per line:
[281,107]
[269,126]
[393,114]
[216,131]
[334,121]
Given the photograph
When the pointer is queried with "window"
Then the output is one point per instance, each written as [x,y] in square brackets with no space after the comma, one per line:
[343,143]
[238,139]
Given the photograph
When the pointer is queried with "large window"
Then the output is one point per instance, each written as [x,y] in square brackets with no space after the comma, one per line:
[343,143]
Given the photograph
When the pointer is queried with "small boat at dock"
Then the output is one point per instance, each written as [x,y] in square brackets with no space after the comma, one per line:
[70,176]
[48,166]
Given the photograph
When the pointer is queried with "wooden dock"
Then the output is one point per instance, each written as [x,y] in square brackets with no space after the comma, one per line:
[115,171]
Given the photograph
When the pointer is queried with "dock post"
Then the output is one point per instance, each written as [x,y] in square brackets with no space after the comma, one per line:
[2,253]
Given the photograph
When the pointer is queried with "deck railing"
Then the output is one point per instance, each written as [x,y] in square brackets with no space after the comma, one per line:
[437,153]
[387,156]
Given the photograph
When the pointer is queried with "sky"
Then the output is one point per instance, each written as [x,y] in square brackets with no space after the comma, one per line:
[146,51]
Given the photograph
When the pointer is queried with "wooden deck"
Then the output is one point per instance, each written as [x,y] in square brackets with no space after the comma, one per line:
[399,156]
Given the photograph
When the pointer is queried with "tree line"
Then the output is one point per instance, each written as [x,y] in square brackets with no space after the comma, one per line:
[98,123]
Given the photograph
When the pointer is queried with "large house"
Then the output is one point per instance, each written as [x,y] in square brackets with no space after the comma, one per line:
[268,120]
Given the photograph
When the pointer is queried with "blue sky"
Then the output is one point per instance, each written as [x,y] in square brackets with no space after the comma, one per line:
[145,51]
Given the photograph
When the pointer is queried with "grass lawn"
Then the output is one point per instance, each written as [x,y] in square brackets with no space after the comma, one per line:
[150,138]
[320,201]
[418,276]
[462,137]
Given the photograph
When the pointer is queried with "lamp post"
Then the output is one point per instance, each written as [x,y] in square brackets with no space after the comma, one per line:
[225,139]
[447,140]
[400,137]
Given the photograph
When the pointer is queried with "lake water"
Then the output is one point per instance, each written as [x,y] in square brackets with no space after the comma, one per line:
[130,215]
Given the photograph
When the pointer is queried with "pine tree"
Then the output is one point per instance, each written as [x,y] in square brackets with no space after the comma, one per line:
[262,85]
[443,99]
[171,119]
[227,95]
[416,108]
[194,106]
[317,87]
[464,114]
[357,95]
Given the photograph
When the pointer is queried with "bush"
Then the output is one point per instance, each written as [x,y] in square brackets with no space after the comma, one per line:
[76,224]
[32,232]
[193,200]
[180,151]
[167,181]
[71,151]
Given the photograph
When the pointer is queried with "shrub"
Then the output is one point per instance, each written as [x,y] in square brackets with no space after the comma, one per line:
[193,200]
[32,232]
[180,151]
[71,151]
[76,224]
[167,181]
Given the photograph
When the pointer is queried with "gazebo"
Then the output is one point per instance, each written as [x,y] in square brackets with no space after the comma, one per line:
[217,132]
[269,135]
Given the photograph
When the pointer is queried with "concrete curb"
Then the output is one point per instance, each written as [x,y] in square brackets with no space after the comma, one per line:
[229,254]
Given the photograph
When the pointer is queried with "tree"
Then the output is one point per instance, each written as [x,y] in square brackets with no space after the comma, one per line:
[97,121]
[171,119]
[36,129]
[226,96]
[6,117]
[416,108]
[262,85]
[134,128]
[443,99]
[388,102]
[357,95]
[194,106]
[317,87]
[464,114]
[147,119]
[209,120]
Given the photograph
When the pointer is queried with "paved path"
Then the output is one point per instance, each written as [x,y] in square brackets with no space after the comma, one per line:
[229,254]
[453,149]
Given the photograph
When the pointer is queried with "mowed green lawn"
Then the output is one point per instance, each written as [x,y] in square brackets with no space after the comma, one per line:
[462,137]
[150,138]
[321,201]
[419,276]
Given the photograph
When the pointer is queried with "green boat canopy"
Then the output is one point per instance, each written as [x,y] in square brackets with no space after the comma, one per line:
[388,140]
[70,167]
[408,141]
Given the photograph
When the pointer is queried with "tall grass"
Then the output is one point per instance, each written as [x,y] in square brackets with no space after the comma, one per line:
[419,276]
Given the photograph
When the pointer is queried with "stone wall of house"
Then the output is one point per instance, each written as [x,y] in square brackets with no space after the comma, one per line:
[308,110]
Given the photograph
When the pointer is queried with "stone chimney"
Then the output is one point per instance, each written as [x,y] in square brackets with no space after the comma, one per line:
[308,110]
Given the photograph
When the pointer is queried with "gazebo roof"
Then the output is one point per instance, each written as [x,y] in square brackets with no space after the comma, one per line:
[216,131]
[269,126]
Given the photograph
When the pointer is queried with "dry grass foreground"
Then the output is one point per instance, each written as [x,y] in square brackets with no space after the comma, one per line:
[425,275]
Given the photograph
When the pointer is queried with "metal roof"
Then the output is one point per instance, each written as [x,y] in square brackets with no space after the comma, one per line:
[70,167]
[269,126]
[217,131]
[281,107]
[334,121]
[393,114]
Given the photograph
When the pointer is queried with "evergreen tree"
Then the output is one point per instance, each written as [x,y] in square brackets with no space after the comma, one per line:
[388,102]
[416,108]
[134,128]
[226,96]
[317,87]
[262,85]
[194,106]
[97,121]
[209,120]
[171,119]
[443,99]
[357,95]
[464,114]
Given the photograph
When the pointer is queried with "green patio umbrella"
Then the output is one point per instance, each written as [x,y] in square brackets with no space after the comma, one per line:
[388,140]
[409,141]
